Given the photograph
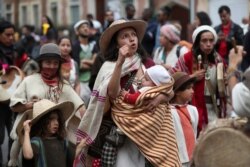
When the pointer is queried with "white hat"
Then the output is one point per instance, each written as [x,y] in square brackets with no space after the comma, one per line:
[77,25]
[204,28]
[240,100]
[159,75]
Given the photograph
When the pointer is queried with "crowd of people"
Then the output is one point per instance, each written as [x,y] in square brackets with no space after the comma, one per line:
[128,93]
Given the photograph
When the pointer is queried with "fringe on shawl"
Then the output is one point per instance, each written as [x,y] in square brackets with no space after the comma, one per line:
[154,132]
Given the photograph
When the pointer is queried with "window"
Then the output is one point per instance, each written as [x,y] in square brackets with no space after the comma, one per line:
[74,10]
[24,14]
[54,12]
[36,15]
[8,7]
[8,17]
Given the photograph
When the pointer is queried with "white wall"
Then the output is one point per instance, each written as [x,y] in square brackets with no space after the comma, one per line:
[239,9]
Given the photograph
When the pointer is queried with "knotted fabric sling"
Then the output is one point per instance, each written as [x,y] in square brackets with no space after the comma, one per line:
[153,132]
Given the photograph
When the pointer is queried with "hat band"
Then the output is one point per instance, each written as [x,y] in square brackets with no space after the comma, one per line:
[49,55]
[179,82]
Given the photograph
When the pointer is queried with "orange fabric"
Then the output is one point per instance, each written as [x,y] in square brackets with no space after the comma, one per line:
[187,129]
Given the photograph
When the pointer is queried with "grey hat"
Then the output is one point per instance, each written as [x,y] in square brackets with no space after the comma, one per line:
[49,50]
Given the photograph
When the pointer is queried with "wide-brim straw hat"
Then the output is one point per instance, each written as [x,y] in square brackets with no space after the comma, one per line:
[138,25]
[181,78]
[40,109]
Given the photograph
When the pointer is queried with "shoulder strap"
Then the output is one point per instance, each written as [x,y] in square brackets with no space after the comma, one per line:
[41,159]
[65,147]
[178,50]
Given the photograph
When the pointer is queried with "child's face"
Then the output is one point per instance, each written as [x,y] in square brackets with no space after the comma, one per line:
[146,81]
[53,125]
[187,94]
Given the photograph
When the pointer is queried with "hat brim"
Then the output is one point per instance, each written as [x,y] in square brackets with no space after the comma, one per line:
[138,25]
[66,108]
[184,81]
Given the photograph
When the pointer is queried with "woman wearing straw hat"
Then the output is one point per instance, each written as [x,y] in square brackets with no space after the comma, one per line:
[44,136]
[202,62]
[47,84]
[124,68]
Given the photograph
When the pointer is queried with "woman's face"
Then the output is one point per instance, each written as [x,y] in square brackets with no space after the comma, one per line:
[197,22]
[52,63]
[128,36]
[65,47]
[207,42]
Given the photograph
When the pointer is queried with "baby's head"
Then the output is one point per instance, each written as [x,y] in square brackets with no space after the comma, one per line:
[155,76]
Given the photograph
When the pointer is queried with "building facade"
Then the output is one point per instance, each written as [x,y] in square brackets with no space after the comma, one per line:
[64,13]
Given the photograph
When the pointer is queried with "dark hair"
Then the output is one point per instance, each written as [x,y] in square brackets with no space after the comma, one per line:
[49,21]
[166,10]
[128,6]
[204,18]
[224,8]
[111,54]
[41,127]
[4,25]
[197,51]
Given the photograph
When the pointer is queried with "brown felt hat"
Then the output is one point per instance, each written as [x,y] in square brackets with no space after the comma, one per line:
[181,78]
[138,25]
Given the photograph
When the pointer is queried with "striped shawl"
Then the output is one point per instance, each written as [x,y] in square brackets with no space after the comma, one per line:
[154,132]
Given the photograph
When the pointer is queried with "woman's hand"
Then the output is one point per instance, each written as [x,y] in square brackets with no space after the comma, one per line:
[124,52]
[80,146]
[199,74]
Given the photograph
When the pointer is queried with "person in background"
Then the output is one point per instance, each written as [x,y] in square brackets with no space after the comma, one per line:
[49,84]
[148,40]
[130,11]
[202,18]
[245,24]
[69,68]
[185,116]
[84,52]
[163,16]
[226,31]
[201,62]
[109,18]
[7,58]
[169,52]
[49,31]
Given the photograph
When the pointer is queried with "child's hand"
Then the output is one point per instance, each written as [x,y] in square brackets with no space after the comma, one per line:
[27,126]
[80,146]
